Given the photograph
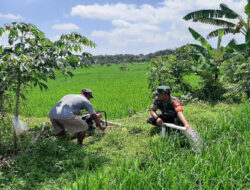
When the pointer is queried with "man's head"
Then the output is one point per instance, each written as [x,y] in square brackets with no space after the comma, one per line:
[87,93]
[163,92]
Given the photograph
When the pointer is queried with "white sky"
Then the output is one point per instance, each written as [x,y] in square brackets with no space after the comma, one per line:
[117,27]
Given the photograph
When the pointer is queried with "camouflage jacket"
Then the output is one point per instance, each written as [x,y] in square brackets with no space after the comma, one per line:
[170,108]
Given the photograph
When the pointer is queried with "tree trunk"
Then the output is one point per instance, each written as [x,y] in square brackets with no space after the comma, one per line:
[0,136]
[16,110]
[216,77]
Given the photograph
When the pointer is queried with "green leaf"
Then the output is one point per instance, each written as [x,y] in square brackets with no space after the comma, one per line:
[242,47]
[24,58]
[248,36]
[216,22]
[202,40]
[209,13]
[232,43]
[229,13]
[247,9]
[10,41]
[1,31]
[221,32]
[42,86]
[226,31]
[75,48]
[201,49]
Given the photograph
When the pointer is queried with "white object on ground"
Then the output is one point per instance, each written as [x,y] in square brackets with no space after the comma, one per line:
[40,133]
[163,131]
[19,126]
[113,123]
[174,126]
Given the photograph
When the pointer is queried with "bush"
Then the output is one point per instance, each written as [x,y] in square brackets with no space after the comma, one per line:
[170,70]
[237,73]
[234,94]
[210,90]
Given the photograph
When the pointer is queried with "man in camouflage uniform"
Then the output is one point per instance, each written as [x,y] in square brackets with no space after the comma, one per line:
[170,107]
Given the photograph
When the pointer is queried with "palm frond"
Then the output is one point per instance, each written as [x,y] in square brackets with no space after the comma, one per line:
[229,13]
[206,13]
[226,31]
[221,32]
[200,39]
[242,47]
[199,48]
[232,43]
[216,22]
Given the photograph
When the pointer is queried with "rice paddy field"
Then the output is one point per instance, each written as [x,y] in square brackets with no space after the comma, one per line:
[114,91]
[132,156]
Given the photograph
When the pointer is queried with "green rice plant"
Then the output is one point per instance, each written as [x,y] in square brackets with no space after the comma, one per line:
[115,91]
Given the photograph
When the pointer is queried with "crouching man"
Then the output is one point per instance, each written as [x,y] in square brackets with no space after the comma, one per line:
[170,107]
[65,115]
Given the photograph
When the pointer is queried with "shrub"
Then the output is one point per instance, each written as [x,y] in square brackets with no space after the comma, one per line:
[170,70]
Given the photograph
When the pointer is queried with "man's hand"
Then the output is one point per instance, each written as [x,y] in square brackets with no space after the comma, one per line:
[188,127]
[102,128]
[159,122]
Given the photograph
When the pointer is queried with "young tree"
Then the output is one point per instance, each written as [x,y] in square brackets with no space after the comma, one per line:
[31,58]
[209,59]
[171,70]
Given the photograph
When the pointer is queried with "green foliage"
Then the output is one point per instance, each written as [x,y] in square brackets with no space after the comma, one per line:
[170,70]
[247,8]
[216,61]
[31,58]
[208,67]
[237,75]
[138,159]
[202,61]
[209,90]
[208,59]
[220,17]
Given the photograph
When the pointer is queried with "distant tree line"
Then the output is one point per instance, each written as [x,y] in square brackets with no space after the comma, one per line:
[125,58]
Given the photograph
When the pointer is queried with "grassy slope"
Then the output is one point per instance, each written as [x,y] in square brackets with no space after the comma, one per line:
[137,158]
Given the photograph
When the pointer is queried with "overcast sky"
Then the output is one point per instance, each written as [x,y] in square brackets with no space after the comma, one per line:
[117,27]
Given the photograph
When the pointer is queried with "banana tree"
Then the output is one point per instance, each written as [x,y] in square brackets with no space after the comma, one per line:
[208,59]
[31,58]
[219,17]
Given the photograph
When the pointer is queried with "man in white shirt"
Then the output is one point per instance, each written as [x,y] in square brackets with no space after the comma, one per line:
[64,115]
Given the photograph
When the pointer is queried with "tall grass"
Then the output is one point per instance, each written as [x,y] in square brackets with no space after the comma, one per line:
[169,164]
